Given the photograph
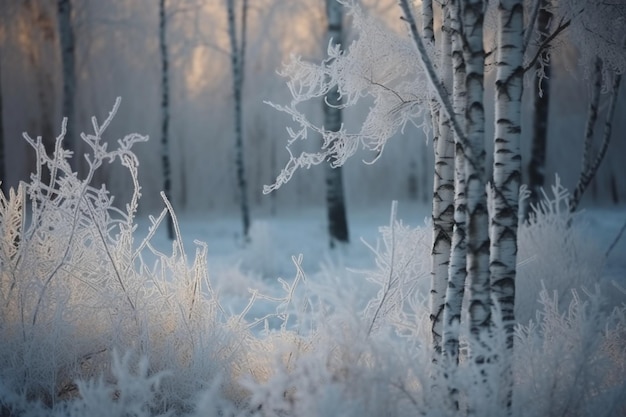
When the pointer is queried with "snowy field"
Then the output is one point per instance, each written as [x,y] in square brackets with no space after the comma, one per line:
[235,268]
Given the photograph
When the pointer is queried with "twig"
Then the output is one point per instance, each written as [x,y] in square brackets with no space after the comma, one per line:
[617,238]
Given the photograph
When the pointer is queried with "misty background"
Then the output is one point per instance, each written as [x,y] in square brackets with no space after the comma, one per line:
[117,54]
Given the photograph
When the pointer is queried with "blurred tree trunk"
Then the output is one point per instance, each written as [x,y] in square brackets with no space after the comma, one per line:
[165,115]
[68,53]
[589,167]
[237,56]
[541,93]
[335,196]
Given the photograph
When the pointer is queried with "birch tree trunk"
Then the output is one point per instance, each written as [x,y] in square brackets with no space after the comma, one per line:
[458,252]
[443,196]
[507,159]
[507,177]
[537,165]
[165,115]
[335,196]
[237,48]
[472,16]
[67,43]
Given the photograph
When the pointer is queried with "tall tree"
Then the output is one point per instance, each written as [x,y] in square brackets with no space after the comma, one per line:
[443,191]
[165,114]
[541,93]
[472,18]
[68,54]
[507,174]
[237,57]
[335,196]
[458,251]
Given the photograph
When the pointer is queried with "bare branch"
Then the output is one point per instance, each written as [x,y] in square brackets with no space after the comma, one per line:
[439,89]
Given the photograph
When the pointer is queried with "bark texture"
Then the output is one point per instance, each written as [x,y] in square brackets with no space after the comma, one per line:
[458,252]
[507,178]
[472,16]
[443,198]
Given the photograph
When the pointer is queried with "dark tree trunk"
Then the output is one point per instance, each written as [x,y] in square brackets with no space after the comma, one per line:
[335,196]
[237,61]
[68,49]
[537,164]
[165,115]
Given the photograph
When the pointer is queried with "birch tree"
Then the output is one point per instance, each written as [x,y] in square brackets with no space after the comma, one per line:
[507,174]
[335,196]
[458,251]
[237,56]
[68,53]
[443,192]
[165,114]
[472,18]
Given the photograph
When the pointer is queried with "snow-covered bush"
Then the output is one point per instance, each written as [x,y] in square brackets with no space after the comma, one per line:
[554,255]
[74,287]
[90,328]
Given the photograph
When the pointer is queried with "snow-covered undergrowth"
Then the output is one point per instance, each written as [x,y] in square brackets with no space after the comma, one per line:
[95,321]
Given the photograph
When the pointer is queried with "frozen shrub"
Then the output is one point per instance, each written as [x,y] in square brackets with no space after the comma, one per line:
[74,287]
[553,253]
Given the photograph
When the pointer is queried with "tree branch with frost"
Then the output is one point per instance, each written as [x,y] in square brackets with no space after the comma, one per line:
[440,91]
[378,66]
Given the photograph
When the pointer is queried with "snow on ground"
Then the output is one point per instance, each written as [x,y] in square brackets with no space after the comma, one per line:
[235,269]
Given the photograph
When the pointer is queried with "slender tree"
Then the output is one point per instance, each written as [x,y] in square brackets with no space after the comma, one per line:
[237,57]
[165,114]
[507,175]
[541,93]
[443,193]
[590,167]
[335,196]
[472,17]
[68,53]
[458,251]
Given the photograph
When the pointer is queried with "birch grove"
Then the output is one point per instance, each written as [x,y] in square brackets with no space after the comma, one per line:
[475,210]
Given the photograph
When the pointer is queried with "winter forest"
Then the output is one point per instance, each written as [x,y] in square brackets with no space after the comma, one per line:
[312,208]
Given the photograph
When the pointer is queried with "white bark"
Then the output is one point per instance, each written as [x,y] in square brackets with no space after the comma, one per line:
[458,252]
[443,198]
[507,177]
[507,160]
[472,16]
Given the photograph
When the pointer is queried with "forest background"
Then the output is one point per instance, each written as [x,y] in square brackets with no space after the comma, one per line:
[117,54]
